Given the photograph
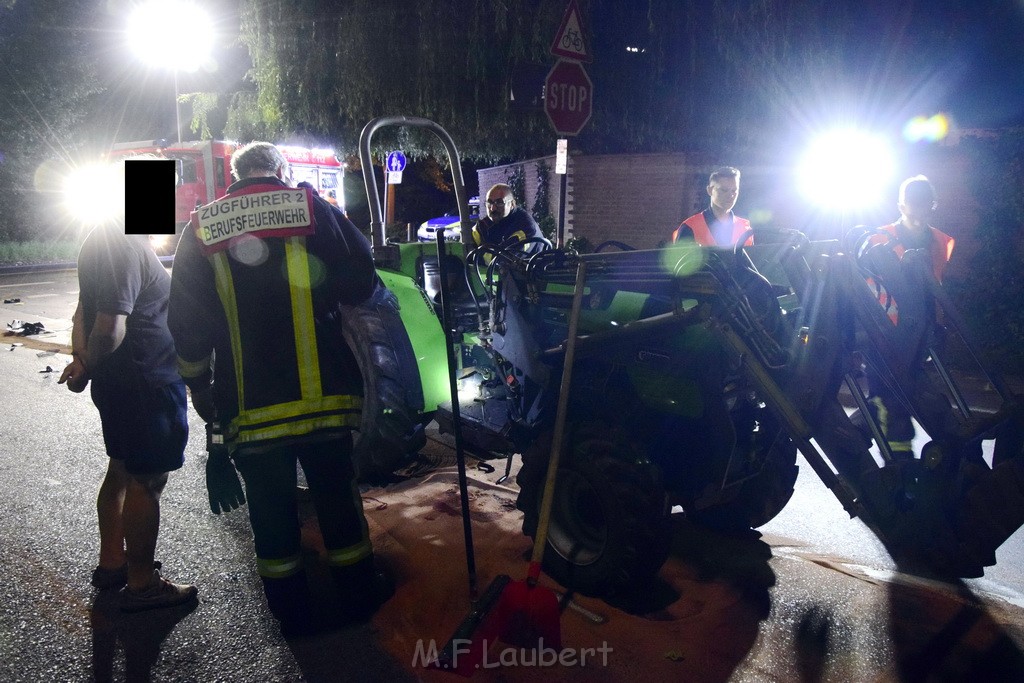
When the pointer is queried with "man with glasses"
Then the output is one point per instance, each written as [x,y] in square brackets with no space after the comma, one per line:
[507,225]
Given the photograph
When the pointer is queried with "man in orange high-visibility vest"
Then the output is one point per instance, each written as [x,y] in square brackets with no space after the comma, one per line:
[717,225]
[913,231]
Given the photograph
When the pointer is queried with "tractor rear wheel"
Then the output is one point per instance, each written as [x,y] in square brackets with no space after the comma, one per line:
[391,427]
[609,530]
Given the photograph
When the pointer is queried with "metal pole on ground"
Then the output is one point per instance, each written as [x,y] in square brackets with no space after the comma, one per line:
[460,454]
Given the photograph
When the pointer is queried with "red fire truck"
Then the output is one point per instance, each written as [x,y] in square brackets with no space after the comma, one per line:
[204,170]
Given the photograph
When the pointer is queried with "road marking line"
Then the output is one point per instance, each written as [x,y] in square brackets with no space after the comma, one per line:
[29,284]
[39,296]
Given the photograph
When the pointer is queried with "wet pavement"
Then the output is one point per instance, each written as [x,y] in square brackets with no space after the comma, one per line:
[813,598]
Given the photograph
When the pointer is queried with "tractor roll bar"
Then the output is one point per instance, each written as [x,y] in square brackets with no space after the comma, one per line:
[377,228]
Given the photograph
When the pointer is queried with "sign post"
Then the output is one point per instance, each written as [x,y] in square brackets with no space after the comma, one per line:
[393,167]
[568,99]
[568,103]
[562,169]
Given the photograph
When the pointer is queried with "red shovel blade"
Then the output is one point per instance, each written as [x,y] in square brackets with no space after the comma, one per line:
[530,615]
[466,649]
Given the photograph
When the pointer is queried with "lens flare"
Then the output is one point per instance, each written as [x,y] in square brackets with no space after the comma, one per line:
[926,129]
[682,259]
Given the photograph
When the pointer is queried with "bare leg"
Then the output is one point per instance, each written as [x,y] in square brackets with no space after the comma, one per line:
[109,509]
[141,526]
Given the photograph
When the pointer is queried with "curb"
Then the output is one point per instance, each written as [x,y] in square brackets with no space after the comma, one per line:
[16,269]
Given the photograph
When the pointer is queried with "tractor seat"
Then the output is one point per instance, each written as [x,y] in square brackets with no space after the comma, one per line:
[463,306]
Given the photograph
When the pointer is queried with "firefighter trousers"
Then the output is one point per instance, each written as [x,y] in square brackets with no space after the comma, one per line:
[270,485]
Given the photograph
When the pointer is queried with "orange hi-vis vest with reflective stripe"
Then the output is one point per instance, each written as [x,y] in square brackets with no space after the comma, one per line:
[702,233]
[940,246]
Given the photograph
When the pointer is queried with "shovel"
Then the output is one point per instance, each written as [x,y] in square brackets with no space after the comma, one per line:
[465,650]
[530,614]
[460,454]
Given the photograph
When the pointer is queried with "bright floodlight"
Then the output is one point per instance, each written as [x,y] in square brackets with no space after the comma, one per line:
[845,170]
[94,193]
[172,35]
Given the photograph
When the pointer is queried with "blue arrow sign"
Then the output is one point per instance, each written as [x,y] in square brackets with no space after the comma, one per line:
[396,162]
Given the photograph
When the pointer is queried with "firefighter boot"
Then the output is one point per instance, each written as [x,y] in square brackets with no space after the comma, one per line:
[361,588]
[289,601]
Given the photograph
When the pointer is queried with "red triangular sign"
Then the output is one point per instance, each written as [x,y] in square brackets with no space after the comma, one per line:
[569,40]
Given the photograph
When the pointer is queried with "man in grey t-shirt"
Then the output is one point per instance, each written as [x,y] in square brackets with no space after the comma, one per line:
[120,341]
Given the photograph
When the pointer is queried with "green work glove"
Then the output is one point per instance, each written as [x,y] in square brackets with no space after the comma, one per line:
[222,482]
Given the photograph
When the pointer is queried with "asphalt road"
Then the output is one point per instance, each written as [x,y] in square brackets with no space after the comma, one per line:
[54,626]
[819,567]
[50,294]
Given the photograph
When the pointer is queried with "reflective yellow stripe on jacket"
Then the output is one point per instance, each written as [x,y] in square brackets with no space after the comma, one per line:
[313,411]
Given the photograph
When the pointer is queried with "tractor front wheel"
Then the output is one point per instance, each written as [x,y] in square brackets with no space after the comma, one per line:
[609,530]
[762,474]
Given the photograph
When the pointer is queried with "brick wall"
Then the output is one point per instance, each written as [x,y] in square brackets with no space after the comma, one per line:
[633,198]
[639,199]
[489,177]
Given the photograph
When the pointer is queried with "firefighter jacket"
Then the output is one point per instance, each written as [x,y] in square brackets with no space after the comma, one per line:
[258,279]
[940,246]
[698,226]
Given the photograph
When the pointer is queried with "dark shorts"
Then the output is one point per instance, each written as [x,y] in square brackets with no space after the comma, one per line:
[145,427]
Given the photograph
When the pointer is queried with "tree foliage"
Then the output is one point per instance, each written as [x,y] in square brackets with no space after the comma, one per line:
[516,181]
[541,208]
[204,105]
[668,75]
[41,102]
[323,69]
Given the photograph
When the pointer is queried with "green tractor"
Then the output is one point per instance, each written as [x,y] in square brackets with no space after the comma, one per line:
[699,373]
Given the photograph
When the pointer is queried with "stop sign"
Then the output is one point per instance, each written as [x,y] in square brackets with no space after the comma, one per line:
[568,97]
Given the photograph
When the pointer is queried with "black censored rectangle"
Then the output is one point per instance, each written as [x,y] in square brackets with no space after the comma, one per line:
[149,186]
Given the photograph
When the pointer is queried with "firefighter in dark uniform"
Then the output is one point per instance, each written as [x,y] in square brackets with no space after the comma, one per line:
[717,225]
[254,310]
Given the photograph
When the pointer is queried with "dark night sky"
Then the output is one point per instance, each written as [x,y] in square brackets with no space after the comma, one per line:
[978,75]
[991,88]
